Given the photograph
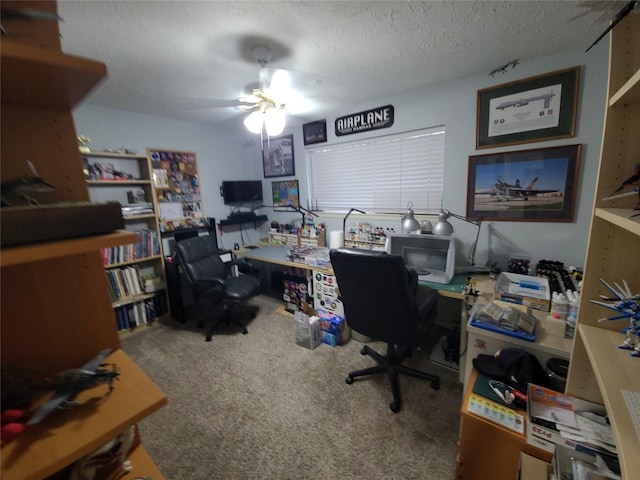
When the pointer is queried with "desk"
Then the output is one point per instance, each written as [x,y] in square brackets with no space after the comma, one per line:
[276,255]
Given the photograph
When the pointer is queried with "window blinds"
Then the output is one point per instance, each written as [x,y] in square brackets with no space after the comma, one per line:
[380,175]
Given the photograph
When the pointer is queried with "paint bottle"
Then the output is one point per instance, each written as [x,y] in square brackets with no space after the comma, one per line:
[559,306]
[574,299]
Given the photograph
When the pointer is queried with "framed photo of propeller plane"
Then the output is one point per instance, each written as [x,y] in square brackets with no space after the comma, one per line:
[277,157]
[524,186]
[535,109]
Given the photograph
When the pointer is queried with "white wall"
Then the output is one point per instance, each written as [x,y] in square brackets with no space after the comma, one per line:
[231,155]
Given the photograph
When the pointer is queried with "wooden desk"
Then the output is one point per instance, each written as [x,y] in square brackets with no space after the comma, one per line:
[276,255]
[489,450]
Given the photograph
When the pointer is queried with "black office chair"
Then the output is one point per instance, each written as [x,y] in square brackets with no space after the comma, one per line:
[213,280]
[379,296]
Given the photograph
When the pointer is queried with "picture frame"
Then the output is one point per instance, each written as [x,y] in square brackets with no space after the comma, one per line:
[278,157]
[535,109]
[314,132]
[547,192]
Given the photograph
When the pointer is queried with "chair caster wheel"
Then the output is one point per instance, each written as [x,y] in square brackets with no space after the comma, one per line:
[244,331]
[207,339]
[349,380]
[435,384]
[363,351]
[394,406]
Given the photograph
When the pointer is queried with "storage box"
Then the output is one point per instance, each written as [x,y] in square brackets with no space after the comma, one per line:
[532,468]
[523,290]
[558,404]
[332,328]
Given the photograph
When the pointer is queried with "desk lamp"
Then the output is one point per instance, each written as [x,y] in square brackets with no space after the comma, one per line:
[443,227]
[344,221]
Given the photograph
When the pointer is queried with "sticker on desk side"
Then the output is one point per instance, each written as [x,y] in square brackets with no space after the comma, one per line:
[495,412]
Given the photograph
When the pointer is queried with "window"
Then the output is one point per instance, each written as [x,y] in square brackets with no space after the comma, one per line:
[379,175]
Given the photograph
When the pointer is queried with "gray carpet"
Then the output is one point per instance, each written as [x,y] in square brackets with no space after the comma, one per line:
[258,406]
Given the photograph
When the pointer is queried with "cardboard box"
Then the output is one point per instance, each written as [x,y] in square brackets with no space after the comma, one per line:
[532,468]
[526,290]
[560,406]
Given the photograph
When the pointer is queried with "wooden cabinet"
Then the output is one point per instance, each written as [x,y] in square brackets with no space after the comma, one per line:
[487,449]
[599,371]
[55,311]
[127,179]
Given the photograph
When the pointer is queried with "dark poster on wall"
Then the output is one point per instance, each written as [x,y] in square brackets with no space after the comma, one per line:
[381,117]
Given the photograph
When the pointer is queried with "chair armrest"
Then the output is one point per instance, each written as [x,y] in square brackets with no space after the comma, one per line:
[244,266]
[210,282]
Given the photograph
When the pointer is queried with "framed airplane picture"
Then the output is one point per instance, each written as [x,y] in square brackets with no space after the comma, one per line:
[524,186]
[531,110]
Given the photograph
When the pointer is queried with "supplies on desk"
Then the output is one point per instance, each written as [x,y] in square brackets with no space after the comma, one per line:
[559,419]
[506,319]
[523,290]
[307,330]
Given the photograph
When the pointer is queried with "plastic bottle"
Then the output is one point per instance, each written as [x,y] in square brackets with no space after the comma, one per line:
[574,299]
[559,306]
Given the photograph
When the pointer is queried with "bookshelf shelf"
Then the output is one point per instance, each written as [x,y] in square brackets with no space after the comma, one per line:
[66,435]
[122,191]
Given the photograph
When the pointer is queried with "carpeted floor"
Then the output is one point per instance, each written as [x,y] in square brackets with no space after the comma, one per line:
[258,406]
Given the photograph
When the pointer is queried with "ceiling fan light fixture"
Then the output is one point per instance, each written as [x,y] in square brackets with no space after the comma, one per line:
[254,122]
[274,121]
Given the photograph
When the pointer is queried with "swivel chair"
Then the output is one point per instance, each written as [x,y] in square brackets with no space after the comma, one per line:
[213,281]
[379,296]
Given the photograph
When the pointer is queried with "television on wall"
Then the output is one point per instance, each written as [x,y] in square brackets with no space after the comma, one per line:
[242,192]
[285,193]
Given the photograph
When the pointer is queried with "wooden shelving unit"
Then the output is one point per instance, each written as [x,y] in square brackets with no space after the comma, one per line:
[55,311]
[599,371]
[116,190]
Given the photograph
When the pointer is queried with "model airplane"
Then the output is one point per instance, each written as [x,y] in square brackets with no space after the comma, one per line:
[628,306]
[23,187]
[526,101]
[505,191]
[69,383]
[504,67]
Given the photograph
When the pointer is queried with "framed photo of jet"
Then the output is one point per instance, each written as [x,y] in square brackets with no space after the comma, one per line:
[524,186]
[535,109]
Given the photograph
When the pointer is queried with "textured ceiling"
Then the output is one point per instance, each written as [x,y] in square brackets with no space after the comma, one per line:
[184,59]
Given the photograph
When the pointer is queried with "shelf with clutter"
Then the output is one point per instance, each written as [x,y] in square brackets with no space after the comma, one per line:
[311,235]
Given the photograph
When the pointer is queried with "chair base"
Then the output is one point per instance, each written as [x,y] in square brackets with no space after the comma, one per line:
[227,318]
[392,365]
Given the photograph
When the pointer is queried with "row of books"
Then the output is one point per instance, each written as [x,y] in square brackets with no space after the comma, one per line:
[140,313]
[124,282]
[133,209]
[147,245]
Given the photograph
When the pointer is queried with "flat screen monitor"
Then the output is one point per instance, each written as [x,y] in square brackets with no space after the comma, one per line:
[285,193]
[242,192]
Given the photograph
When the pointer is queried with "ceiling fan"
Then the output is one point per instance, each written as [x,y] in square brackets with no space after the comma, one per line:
[269,100]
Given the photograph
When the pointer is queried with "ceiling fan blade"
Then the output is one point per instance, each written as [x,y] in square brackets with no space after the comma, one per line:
[219,103]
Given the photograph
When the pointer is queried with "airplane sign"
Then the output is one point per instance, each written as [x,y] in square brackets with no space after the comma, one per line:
[69,383]
[505,191]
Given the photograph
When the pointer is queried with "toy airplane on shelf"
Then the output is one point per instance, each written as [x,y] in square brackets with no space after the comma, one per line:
[628,305]
[69,383]
[66,385]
